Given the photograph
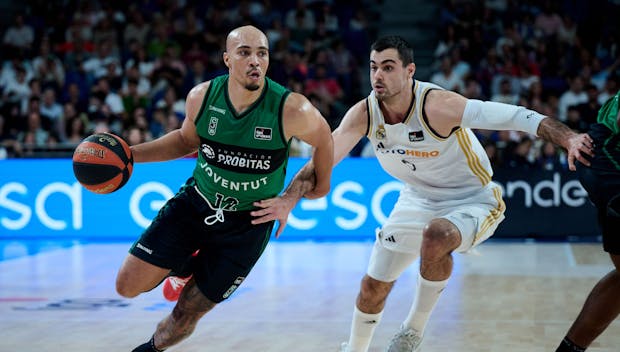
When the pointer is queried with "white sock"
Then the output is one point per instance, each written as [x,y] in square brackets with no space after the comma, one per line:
[427,295]
[362,328]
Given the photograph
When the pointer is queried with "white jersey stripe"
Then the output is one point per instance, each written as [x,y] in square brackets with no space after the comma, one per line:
[472,159]
[495,215]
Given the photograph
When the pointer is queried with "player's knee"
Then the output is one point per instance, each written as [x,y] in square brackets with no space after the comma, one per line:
[374,291]
[439,238]
[124,288]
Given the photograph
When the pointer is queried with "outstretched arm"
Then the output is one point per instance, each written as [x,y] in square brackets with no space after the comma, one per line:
[447,110]
[345,137]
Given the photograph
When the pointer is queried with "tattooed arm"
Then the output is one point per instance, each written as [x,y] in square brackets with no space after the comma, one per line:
[576,144]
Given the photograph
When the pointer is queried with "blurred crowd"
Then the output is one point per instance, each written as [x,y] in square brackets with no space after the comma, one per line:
[560,58]
[72,68]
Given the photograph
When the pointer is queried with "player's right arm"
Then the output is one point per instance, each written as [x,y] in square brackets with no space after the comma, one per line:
[177,143]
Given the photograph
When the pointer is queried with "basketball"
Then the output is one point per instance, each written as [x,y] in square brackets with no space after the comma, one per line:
[102,163]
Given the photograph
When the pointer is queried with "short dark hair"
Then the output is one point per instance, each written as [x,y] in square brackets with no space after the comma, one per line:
[405,51]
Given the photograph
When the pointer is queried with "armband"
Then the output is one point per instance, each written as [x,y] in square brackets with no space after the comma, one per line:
[490,115]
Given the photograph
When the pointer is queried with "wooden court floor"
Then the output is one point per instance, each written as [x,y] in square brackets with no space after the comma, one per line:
[507,297]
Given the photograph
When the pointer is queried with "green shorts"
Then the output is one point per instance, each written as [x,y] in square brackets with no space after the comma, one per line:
[228,249]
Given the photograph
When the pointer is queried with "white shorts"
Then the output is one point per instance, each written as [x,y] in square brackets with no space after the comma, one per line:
[398,242]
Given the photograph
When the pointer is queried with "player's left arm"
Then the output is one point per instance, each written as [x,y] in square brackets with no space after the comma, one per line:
[449,110]
[303,121]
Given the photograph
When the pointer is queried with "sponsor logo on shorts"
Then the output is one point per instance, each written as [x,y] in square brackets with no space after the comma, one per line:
[390,239]
[149,251]
[232,288]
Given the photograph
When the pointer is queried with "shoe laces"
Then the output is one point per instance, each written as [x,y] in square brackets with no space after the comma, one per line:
[406,340]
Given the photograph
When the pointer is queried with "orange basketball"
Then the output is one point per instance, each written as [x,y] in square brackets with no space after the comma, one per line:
[102,163]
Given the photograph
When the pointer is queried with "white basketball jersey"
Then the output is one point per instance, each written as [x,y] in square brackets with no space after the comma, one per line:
[433,166]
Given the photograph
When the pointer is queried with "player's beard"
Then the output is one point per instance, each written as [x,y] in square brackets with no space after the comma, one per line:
[252,87]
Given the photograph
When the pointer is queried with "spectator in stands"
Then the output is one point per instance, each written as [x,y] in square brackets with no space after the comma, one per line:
[34,136]
[505,94]
[137,29]
[51,113]
[48,68]
[551,158]
[132,98]
[300,17]
[76,130]
[10,67]
[171,103]
[345,67]
[8,142]
[548,21]
[490,147]
[574,96]
[95,66]
[521,155]
[132,73]
[447,41]
[446,78]
[327,88]
[17,89]
[19,37]
[574,119]
[108,96]
[78,98]
[105,31]
[589,110]
[612,84]
[168,70]
[134,135]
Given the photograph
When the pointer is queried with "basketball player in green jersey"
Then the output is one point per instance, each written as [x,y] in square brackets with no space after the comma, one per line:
[602,181]
[241,124]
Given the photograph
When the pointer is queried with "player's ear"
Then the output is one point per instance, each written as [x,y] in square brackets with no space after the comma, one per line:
[226,59]
[411,69]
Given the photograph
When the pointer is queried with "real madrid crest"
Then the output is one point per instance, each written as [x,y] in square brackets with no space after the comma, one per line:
[380,134]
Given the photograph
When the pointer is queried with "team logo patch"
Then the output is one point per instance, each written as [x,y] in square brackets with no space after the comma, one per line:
[212,125]
[380,134]
[262,133]
[416,136]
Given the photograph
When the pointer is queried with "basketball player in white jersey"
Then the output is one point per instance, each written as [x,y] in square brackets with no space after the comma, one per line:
[421,135]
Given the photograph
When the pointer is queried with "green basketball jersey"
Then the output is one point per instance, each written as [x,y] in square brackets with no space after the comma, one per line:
[608,114]
[242,157]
